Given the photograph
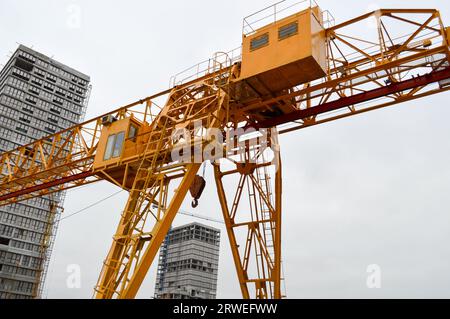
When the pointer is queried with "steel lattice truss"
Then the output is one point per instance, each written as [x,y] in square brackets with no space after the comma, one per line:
[405,57]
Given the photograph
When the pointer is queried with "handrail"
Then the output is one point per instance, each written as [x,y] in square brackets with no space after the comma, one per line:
[209,66]
[274,13]
[280,10]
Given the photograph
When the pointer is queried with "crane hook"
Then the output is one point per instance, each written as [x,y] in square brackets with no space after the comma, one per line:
[196,189]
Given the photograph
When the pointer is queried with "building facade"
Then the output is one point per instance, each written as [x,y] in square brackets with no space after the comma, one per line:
[188,263]
[38,97]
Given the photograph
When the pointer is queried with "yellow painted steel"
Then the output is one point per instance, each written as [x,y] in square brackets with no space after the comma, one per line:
[130,147]
[150,203]
[304,53]
[228,95]
[258,264]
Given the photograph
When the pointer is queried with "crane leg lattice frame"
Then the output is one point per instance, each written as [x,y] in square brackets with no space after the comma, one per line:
[257,256]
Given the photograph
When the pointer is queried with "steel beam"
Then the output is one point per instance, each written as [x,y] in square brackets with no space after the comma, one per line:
[358,98]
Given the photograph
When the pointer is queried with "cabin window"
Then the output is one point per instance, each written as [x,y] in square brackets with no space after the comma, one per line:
[259,42]
[114,146]
[287,31]
[132,133]
[109,147]
[118,144]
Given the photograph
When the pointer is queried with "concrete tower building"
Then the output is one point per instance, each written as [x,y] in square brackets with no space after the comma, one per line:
[38,97]
[188,263]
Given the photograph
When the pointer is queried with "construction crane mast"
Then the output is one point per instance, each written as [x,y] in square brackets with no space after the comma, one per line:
[295,69]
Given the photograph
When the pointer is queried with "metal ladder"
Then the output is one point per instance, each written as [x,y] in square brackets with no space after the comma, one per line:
[264,180]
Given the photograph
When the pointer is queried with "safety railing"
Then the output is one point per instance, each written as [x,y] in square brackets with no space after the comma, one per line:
[279,11]
[328,20]
[220,60]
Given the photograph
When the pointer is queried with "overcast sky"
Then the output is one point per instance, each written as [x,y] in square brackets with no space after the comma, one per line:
[371,189]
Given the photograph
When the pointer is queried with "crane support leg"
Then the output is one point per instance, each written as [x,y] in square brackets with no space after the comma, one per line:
[150,210]
[254,228]
[133,249]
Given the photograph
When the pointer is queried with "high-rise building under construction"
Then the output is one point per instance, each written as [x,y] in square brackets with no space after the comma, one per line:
[188,263]
[38,97]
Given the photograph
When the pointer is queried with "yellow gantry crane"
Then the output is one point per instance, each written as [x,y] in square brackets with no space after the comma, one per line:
[295,69]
